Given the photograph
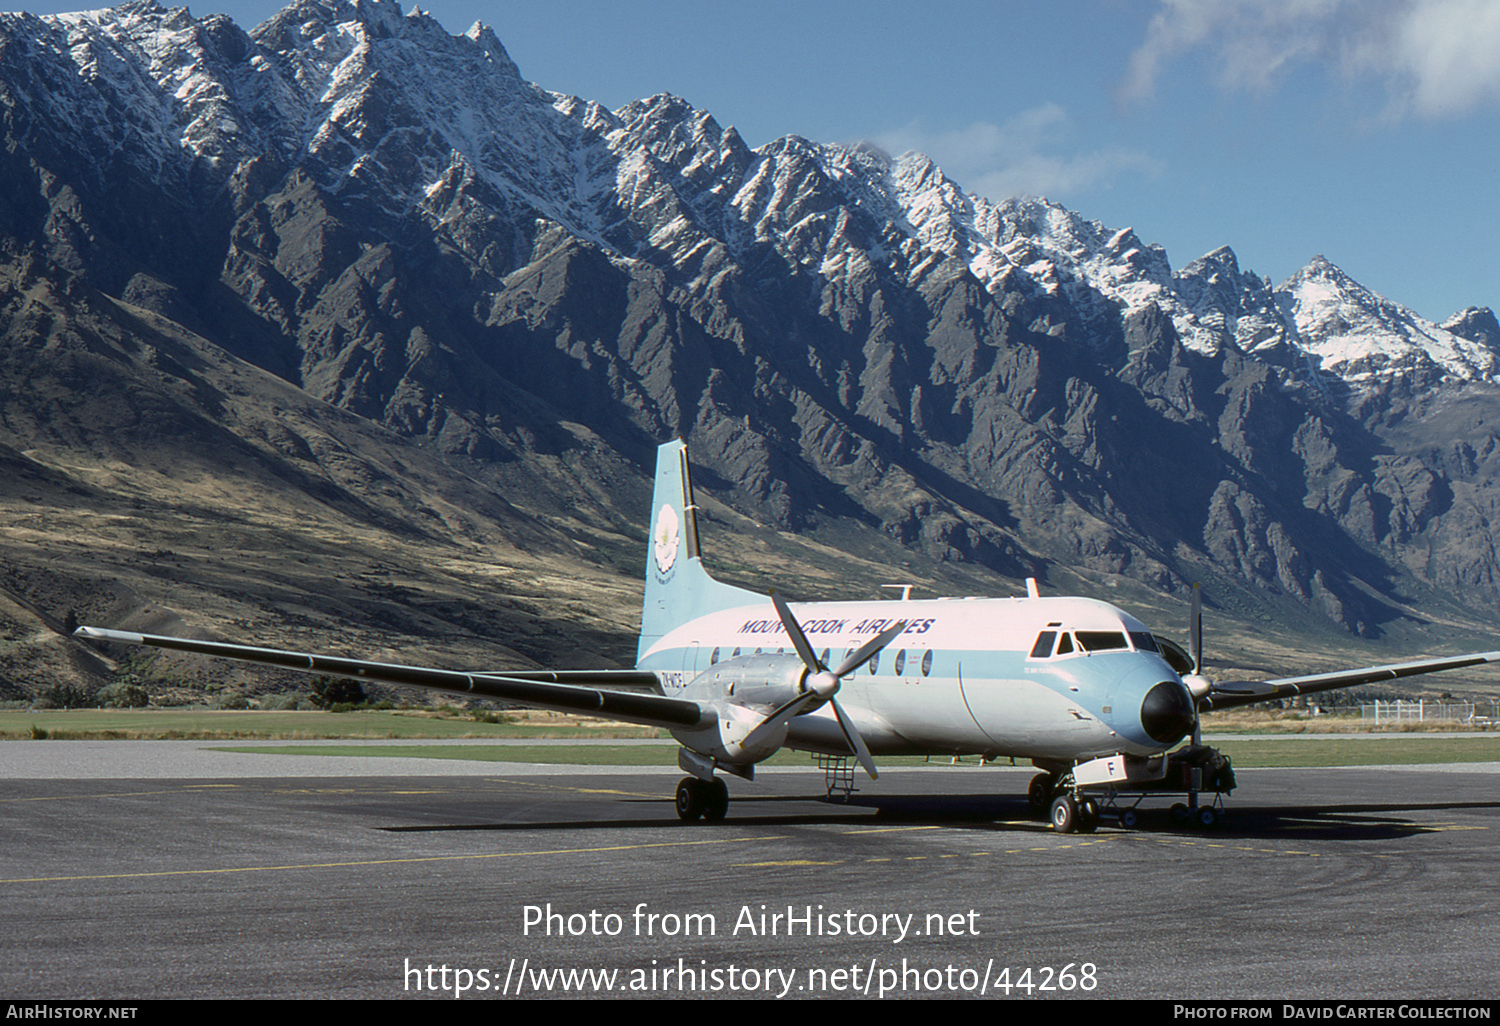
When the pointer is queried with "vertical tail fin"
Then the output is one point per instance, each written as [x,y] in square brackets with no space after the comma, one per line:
[678,588]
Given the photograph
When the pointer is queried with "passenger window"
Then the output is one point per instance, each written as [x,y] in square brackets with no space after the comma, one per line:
[874,664]
[714,658]
[900,663]
[1043,647]
[927,662]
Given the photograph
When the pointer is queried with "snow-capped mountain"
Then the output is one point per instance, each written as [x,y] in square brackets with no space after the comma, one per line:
[392,108]
[1360,335]
[392,218]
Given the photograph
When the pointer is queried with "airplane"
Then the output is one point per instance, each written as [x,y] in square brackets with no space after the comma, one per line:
[1082,689]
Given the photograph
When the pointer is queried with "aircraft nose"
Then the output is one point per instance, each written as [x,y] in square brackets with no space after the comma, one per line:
[1167,712]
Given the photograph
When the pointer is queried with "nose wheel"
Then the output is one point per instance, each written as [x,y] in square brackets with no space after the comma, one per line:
[1075,815]
[701,798]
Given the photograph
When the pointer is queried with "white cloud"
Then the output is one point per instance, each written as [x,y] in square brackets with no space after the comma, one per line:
[1025,156]
[1436,58]
[1447,50]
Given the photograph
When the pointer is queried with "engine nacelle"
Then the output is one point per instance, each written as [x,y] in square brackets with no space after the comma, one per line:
[763,682]
[746,689]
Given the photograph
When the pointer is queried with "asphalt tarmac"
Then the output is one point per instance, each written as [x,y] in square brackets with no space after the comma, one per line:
[138,870]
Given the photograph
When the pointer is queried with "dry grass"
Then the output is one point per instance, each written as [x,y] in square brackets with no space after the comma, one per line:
[1292,721]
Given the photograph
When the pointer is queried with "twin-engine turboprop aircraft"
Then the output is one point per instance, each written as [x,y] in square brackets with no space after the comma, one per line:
[1077,686]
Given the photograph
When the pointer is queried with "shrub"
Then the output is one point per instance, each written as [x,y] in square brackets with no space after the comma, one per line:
[125,694]
[327,692]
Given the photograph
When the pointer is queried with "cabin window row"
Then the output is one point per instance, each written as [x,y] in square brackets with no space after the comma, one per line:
[903,660]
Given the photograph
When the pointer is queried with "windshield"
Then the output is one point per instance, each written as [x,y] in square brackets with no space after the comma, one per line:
[1101,641]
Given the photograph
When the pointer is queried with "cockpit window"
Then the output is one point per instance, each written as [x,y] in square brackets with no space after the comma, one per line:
[1065,644]
[1143,641]
[1043,647]
[1101,641]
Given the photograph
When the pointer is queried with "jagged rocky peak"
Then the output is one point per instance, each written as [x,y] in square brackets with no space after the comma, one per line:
[1477,324]
[1224,305]
[681,136]
[1366,338]
[331,44]
[154,82]
[312,18]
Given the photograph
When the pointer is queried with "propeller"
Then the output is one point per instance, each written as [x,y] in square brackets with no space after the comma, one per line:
[821,684]
[1195,627]
[1197,684]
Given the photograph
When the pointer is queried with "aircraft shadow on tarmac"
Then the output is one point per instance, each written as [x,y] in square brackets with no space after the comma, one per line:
[1354,821]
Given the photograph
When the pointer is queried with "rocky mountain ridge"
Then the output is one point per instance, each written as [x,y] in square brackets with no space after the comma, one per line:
[535,290]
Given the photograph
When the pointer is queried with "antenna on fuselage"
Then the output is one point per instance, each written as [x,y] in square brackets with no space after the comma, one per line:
[1031,590]
[905,590]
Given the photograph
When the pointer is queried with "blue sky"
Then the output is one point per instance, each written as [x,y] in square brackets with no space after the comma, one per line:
[1365,130]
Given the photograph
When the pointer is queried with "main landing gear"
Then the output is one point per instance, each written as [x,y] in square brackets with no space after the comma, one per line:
[697,798]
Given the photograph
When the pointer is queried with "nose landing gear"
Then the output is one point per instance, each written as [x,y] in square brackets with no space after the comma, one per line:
[1070,811]
[1195,771]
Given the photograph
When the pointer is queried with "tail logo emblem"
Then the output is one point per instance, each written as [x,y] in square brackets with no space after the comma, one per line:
[667,528]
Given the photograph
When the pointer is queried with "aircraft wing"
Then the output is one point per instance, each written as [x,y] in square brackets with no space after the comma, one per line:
[1230,693]
[572,691]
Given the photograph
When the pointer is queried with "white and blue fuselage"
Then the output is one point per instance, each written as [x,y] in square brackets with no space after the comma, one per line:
[1051,679]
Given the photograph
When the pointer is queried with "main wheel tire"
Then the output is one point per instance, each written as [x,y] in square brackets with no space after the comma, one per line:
[690,799]
[1178,814]
[1088,816]
[1039,794]
[1065,814]
[1207,817]
[716,803]
[1129,819]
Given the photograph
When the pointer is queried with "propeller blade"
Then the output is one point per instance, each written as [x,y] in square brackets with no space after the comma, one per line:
[777,718]
[855,741]
[1195,628]
[867,651]
[794,631]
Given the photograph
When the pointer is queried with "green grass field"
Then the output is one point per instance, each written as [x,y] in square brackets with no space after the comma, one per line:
[204,724]
[211,724]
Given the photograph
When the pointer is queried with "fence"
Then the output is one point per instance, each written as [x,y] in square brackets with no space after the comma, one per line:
[1477,714]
